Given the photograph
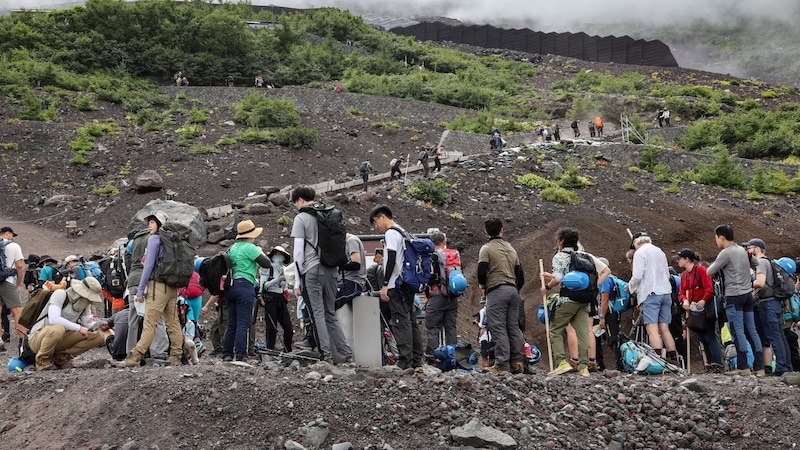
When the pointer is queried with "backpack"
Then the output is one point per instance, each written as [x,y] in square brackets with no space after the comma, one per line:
[449,357]
[781,286]
[363,169]
[116,280]
[92,269]
[640,358]
[331,234]
[194,289]
[675,284]
[216,273]
[622,298]
[423,155]
[5,271]
[177,261]
[393,162]
[415,273]
[442,266]
[32,312]
[582,262]
[791,308]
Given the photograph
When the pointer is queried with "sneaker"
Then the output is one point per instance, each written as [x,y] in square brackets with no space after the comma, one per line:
[584,372]
[348,360]
[759,373]
[494,369]
[593,367]
[175,361]
[742,372]
[304,345]
[227,358]
[2,345]
[562,368]
[133,360]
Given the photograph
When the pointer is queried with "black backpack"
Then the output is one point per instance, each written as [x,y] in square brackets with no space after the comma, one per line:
[781,286]
[331,234]
[423,155]
[177,264]
[5,271]
[582,262]
[216,273]
[116,281]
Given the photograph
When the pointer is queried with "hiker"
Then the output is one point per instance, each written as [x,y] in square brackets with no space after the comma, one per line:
[161,299]
[598,126]
[315,281]
[437,154]
[134,255]
[441,312]
[734,264]
[660,118]
[193,296]
[575,131]
[73,263]
[556,133]
[220,324]
[497,140]
[48,268]
[31,273]
[665,115]
[569,310]
[395,164]
[365,169]
[500,276]
[274,293]
[375,271]
[354,273]
[423,159]
[65,331]
[591,129]
[115,341]
[338,89]
[609,321]
[12,289]
[651,282]
[696,293]
[184,81]
[403,320]
[770,311]
[229,80]
[259,81]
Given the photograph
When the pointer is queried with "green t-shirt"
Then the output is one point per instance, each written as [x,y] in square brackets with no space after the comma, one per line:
[243,261]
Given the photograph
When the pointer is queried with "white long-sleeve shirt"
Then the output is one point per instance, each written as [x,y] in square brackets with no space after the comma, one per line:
[650,272]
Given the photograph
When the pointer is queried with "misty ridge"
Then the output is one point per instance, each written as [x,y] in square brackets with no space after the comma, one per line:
[738,37]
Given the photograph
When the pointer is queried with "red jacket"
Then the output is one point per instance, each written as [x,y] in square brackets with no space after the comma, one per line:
[697,284]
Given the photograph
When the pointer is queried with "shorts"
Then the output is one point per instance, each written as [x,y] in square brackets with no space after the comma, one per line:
[9,295]
[657,308]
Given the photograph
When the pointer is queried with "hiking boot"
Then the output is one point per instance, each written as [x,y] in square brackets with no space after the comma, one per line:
[63,360]
[714,368]
[216,352]
[593,367]
[133,360]
[2,345]
[584,372]
[495,370]
[562,368]
[6,337]
[175,361]
[304,345]
[517,367]
[227,358]
[742,372]
[45,363]
[760,373]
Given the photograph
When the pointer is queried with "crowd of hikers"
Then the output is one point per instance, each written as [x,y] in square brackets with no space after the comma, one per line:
[144,300]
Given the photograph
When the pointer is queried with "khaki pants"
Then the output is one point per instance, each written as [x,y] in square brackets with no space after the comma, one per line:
[576,314]
[162,300]
[54,339]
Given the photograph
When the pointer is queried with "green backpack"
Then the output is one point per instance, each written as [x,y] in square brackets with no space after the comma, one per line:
[176,265]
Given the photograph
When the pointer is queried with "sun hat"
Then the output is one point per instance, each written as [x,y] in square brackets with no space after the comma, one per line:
[247,229]
[71,258]
[88,288]
[160,216]
[281,250]
[45,258]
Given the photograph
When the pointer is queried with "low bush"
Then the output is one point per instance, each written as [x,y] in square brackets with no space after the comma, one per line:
[436,192]
[296,137]
[559,195]
[259,112]
[253,136]
[534,181]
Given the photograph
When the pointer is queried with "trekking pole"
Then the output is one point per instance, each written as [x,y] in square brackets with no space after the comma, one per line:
[688,345]
[546,317]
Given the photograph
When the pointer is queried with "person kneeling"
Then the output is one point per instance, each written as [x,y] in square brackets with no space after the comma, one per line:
[63,332]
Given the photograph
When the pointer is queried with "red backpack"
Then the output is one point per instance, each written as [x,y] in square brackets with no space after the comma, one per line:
[193,290]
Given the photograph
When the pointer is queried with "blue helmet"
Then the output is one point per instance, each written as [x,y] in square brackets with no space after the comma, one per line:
[457,283]
[788,265]
[197,263]
[16,365]
[536,355]
[575,280]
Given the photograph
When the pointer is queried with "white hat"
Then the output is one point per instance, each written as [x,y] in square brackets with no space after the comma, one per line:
[71,258]
[88,288]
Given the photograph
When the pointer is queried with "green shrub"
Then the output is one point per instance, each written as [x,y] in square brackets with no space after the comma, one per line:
[388,126]
[572,178]
[648,159]
[152,126]
[559,195]
[353,111]
[629,186]
[84,103]
[225,140]
[78,160]
[189,132]
[82,144]
[673,189]
[203,150]
[253,136]
[662,174]
[534,181]
[198,116]
[108,189]
[457,216]
[146,115]
[436,192]
[296,137]
[284,221]
[722,172]
[9,146]
[259,111]
[754,196]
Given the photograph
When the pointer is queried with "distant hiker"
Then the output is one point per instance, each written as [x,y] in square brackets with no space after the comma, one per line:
[547,132]
[65,329]
[365,169]
[591,130]
[497,140]
[353,274]
[229,80]
[403,320]
[660,118]
[598,126]
[338,89]
[259,82]
[184,81]
[48,265]
[500,276]
[734,264]
[274,293]
[665,114]
[556,133]
[423,159]
[395,165]
[437,154]
[162,300]
[575,131]
[12,288]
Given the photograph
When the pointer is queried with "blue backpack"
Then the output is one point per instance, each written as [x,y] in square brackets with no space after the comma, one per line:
[449,357]
[5,271]
[622,298]
[791,308]
[416,271]
[92,269]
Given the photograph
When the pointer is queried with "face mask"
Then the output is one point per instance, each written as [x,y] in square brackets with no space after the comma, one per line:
[278,258]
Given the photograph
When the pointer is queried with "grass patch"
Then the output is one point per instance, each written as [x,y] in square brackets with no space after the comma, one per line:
[559,195]
[436,192]
[203,150]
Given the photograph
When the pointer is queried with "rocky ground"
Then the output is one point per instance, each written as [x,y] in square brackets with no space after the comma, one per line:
[218,406]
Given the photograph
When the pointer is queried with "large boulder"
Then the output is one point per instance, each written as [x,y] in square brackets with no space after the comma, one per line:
[176,212]
[148,181]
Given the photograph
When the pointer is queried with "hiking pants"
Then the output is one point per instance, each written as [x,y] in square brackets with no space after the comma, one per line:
[771,314]
[277,312]
[395,170]
[739,309]
[440,313]
[425,168]
[218,328]
[502,322]
[162,302]
[437,164]
[576,314]
[239,301]
[710,343]
[403,322]
[612,338]
[160,345]
[319,292]
[365,177]
[54,339]
[794,348]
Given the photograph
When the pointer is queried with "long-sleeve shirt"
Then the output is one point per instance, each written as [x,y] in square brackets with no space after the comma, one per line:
[734,263]
[150,258]
[697,284]
[650,272]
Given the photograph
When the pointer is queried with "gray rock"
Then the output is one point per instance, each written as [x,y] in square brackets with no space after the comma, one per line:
[58,200]
[258,209]
[313,435]
[130,445]
[702,432]
[268,190]
[293,445]
[148,181]
[342,446]
[278,199]
[476,434]
[176,212]
[694,385]
[791,378]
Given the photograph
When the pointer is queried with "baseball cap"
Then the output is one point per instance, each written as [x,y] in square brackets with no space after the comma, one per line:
[5,230]
[756,242]
[636,236]
[685,253]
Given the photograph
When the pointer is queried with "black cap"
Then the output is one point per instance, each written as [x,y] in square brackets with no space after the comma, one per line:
[686,253]
[636,236]
[379,251]
[5,230]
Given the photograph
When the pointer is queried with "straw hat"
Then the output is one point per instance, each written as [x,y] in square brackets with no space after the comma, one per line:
[247,229]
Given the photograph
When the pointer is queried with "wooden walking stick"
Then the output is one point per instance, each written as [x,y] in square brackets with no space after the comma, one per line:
[688,344]
[546,317]
[630,235]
